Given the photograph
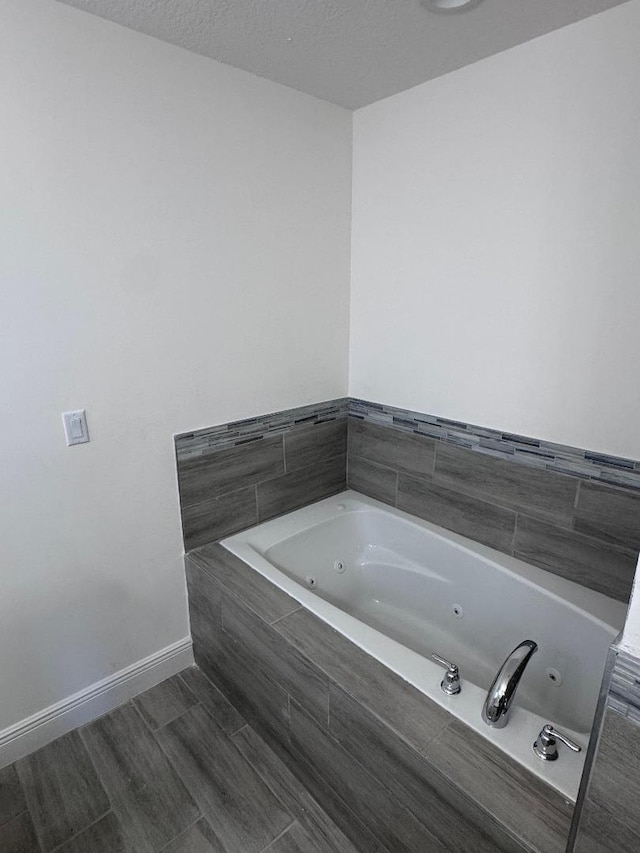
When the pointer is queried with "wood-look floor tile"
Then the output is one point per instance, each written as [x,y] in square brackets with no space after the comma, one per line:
[297,840]
[147,796]
[312,818]
[242,811]
[105,836]
[12,801]
[18,835]
[163,703]
[199,838]
[223,712]
[62,790]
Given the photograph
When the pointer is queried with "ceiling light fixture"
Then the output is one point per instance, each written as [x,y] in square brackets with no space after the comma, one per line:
[450,5]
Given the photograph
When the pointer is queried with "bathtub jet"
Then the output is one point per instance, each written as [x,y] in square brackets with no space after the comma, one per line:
[495,711]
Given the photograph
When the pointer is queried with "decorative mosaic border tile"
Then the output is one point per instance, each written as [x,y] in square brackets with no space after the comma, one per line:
[610,470]
[212,439]
[624,688]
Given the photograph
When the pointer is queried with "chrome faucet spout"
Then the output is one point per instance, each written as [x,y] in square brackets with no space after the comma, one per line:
[495,711]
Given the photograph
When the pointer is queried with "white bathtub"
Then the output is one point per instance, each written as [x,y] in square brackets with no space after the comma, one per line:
[401,588]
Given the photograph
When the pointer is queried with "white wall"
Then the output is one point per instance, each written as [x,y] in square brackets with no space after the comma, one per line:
[495,244]
[174,253]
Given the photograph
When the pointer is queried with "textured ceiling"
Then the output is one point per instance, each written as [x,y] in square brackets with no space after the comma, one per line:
[350,52]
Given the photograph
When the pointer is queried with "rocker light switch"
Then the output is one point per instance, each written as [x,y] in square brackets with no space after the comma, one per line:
[75,427]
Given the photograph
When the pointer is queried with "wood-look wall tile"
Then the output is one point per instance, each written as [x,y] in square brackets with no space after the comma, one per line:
[218,517]
[600,831]
[450,816]
[105,836]
[227,470]
[257,696]
[18,835]
[469,516]
[291,793]
[587,561]
[148,798]
[315,443]
[404,451]
[495,782]
[301,487]
[62,790]
[163,703]
[249,586]
[366,679]
[371,479]
[506,483]
[205,614]
[242,811]
[267,651]
[397,828]
[199,838]
[223,712]
[12,800]
[615,783]
[609,514]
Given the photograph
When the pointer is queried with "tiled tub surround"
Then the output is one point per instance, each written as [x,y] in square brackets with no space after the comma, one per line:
[394,770]
[568,511]
[234,475]
[609,819]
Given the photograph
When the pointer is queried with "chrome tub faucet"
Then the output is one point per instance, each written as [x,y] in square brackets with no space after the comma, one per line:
[495,711]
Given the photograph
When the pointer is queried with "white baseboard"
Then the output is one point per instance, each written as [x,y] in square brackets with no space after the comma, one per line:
[29,734]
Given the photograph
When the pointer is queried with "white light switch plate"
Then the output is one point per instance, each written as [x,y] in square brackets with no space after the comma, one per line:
[75,427]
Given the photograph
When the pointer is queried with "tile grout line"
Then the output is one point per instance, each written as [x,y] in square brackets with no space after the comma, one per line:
[183,831]
[85,828]
[279,836]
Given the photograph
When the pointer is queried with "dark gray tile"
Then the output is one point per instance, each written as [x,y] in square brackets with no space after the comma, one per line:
[610,514]
[605,568]
[261,701]
[223,712]
[242,811]
[105,836]
[147,796]
[601,832]
[199,838]
[508,484]
[373,480]
[532,811]
[18,835]
[315,443]
[408,452]
[389,697]
[265,650]
[291,793]
[254,590]
[205,614]
[466,515]
[205,477]
[615,784]
[219,517]
[62,790]
[396,828]
[297,840]
[350,824]
[12,800]
[163,703]
[451,817]
[302,487]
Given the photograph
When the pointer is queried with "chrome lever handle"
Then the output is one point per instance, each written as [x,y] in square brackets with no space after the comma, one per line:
[574,747]
[450,666]
[450,684]
[545,745]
